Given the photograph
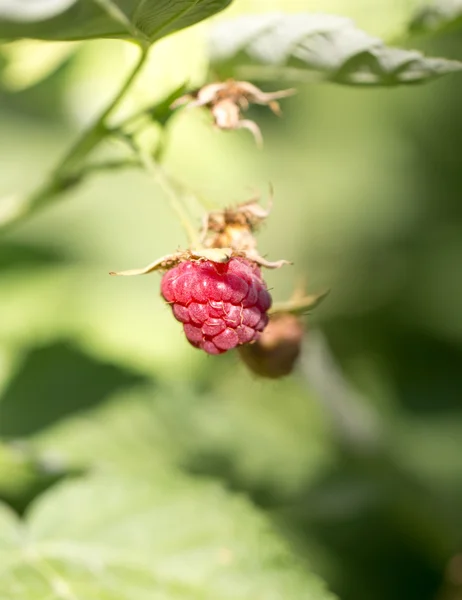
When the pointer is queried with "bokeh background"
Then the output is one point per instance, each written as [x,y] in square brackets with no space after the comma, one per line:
[357,457]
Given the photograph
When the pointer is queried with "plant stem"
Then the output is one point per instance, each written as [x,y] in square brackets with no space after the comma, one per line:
[110,165]
[95,133]
[63,178]
[168,186]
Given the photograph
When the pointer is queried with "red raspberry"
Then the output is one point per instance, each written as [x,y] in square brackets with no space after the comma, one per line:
[221,305]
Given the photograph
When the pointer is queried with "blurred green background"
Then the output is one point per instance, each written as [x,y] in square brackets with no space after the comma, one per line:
[361,472]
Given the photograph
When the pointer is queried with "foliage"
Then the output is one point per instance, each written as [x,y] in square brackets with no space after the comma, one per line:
[132,466]
[444,15]
[322,44]
[83,19]
[99,553]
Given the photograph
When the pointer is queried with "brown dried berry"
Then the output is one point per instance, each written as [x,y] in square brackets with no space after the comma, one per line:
[275,353]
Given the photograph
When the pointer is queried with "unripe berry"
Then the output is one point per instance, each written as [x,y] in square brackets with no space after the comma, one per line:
[221,305]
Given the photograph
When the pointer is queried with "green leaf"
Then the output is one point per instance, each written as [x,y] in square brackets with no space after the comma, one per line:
[106,538]
[248,436]
[23,476]
[437,17]
[24,10]
[126,435]
[17,470]
[315,46]
[143,20]
[9,528]
[51,368]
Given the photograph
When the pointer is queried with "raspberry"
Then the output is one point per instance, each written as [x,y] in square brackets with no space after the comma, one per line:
[221,305]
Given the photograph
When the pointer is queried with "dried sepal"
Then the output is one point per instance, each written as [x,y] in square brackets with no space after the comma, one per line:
[248,214]
[225,234]
[251,93]
[299,306]
[268,264]
[164,263]
[217,255]
[253,128]
[205,95]
[235,227]
[226,101]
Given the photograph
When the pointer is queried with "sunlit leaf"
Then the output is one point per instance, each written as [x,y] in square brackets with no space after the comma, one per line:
[25,10]
[437,16]
[258,442]
[47,371]
[126,435]
[23,476]
[316,47]
[144,20]
[17,470]
[169,538]
[385,18]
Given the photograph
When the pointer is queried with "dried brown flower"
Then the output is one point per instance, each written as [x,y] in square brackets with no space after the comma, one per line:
[226,101]
[235,228]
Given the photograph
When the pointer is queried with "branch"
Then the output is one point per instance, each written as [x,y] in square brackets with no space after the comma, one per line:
[66,174]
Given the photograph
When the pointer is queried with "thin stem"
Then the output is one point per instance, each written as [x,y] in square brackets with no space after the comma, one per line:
[98,129]
[168,186]
[65,176]
[355,422]
[109,165]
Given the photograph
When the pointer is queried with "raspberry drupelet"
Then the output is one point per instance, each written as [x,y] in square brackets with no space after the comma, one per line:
[221,305]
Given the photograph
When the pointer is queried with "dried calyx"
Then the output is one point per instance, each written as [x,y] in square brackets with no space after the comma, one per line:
[225,234]
[226,100]
[235,228]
